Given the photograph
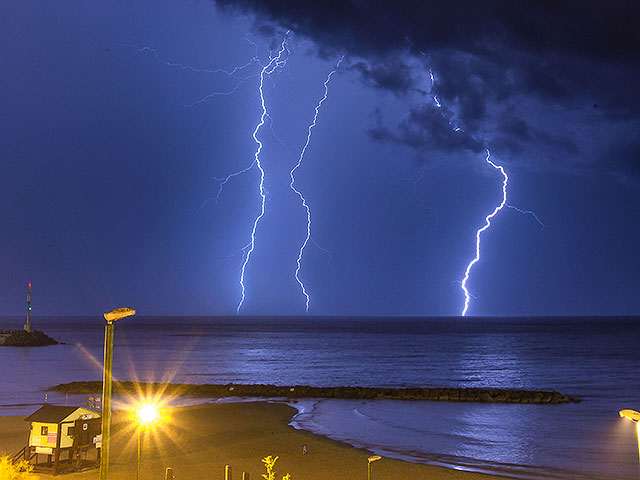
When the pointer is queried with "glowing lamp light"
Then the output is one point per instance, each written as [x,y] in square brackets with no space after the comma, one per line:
[146,414]
[630,414]
[118,313]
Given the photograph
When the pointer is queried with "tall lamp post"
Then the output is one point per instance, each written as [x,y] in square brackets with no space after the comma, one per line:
[370,460]
[110,317]
[634,417]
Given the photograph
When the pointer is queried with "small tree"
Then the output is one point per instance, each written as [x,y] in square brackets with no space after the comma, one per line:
[19,471]
[269,463]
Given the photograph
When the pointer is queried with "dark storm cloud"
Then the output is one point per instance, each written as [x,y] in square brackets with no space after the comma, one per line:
[423,127]
[543,48]
[515,132]
[624,161]
[376,27]
[570,54]
[393,74]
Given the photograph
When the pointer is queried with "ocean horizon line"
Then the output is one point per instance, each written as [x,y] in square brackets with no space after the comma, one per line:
[351,316]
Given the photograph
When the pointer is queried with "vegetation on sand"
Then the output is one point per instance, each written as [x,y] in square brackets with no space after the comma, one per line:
[18,471]
[269,464]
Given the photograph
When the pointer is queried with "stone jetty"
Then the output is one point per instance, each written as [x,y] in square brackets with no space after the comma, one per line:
[486,395]
[22,338]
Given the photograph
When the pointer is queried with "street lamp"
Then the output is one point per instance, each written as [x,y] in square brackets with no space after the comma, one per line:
[110,317]
[145,415]
[370,460]
[634,417]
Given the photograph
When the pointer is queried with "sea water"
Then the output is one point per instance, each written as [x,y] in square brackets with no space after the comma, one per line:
[595,359]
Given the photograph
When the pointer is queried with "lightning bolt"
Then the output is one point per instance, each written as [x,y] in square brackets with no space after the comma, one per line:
[275,135]
[222,181]
[482,229]
[154,53]
[293,180]
[488,218]
[328,252]
[230,73]
[527,212]
[275,62]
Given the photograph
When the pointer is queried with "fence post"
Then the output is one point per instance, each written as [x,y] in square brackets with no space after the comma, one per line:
[168,475]
[227,472]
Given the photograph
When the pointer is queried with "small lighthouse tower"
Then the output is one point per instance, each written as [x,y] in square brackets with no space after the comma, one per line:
[27,326]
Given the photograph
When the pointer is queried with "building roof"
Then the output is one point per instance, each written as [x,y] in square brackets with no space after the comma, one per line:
[51,414]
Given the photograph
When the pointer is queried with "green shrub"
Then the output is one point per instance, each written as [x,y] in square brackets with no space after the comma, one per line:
[19,471]
[269,463]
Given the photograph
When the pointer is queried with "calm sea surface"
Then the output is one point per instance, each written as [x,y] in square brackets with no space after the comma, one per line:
[596,359]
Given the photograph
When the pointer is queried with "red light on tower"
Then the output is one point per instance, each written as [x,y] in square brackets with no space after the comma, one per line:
[29,284]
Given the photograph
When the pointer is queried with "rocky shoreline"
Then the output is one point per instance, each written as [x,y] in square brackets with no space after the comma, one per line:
[22,338]
[484,395]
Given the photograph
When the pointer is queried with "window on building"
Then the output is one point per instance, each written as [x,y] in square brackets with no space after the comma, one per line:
[44,430]
[70,430]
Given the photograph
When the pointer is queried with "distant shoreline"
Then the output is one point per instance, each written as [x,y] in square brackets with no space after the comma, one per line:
[481,395]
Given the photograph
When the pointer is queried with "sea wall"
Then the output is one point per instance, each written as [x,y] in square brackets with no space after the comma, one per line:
[487,395]
[21,338]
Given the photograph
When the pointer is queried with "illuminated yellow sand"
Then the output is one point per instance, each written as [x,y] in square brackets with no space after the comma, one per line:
[203,439]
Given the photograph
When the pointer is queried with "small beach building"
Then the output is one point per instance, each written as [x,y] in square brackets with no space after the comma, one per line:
[66,436]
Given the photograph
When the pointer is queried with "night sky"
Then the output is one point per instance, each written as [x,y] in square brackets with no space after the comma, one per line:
[109,160]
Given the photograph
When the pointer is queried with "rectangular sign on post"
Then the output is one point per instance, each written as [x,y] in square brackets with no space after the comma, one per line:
[45,450]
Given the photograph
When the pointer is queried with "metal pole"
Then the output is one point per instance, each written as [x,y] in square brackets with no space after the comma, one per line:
[139,450]
[168,475]
[106,401]
[27,326]
[369,471]
[245,476]
[227,472]
[638,437]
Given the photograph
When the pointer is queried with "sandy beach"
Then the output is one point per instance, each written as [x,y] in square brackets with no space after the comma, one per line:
[199,441]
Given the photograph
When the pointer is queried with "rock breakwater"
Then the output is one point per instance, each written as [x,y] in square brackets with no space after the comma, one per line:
[486,395]
[21,338]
